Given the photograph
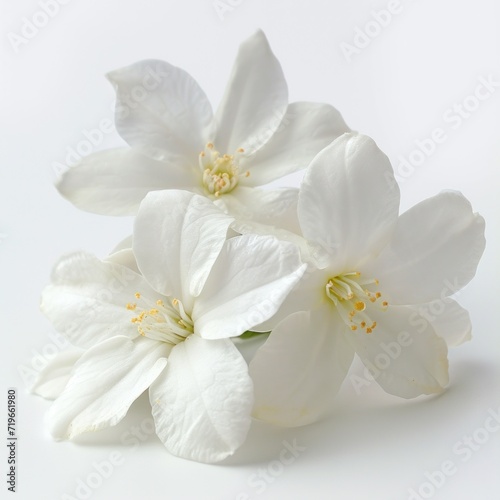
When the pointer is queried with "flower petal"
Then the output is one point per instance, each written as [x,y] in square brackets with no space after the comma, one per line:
[124,369]
[305,130]
[272,207]
[434,251]
[300,368]
[349,200]
[86,301]
[255,99]
[177,237]
[307,295]
[450,321]
[248,283]
[124,244]
[404,356]
[161,111]
[53,378]
[125,258]
[202,401]
[115,181]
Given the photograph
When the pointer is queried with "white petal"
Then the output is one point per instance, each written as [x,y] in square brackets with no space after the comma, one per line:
[177,237]
[115,181]
[272,207]
[307,252]
[247,285]
[125,243]
[300,368]
[434,251]
[309,292]
[53,378]
[255,99]
[86,301]
[125,258]
[202,401]
[307,295]
[403,353]
[305,130]
[450,321]
[349,200]
[247,347]
[161,111]
[106,380]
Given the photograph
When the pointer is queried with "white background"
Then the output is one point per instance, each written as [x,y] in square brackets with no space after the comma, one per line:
[397,89]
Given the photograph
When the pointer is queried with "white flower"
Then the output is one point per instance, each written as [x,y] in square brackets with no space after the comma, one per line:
[371,295]
[176,142]
[162,317]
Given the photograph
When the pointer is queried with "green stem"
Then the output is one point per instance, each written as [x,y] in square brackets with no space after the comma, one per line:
[251,335]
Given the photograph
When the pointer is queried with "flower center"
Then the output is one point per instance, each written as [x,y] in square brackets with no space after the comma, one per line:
[163,321]
[220,172]
[348,293]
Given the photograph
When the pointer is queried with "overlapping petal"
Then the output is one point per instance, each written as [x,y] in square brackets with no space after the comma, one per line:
[161,111]
[177,237]
[449,319]
[300,368]
[124,369]
[434,251]
[86,300]
[124,257]
[271,207]
[114,182]
[305,130]
[53,378]
[406,359]
[255,99]
[202,401]
[248,283]
[349,200]
[307,295]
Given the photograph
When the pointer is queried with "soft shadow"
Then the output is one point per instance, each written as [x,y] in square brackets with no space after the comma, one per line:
[138,420]
[374,419]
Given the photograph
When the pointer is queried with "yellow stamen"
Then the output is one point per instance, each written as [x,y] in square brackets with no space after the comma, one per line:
[353,296]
